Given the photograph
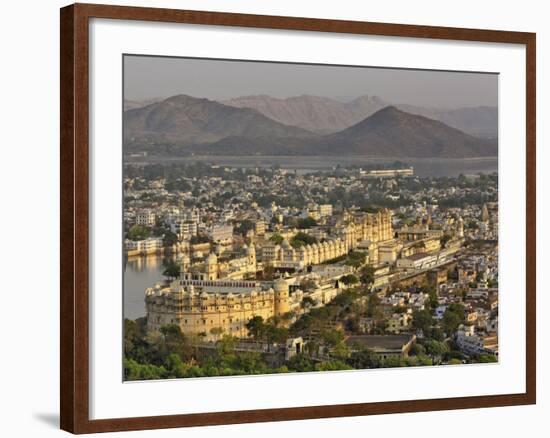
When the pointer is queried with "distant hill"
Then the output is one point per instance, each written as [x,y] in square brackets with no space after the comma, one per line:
[396,133]
[185,120]
[133,104]
[183,125]
[480,121]
[324,115]
[314,113]
[389,132]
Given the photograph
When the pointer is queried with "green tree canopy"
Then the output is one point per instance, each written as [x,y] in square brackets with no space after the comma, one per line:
[349,279]
[172,270]
[454,316]
[423,320]
[367,275]
[306,223]
[256,327]
[363,359]
[138,232]
[276,238]
[302,239]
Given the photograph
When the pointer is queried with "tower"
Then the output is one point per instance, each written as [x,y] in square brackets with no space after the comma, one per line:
[185,263]
[460,230]
[212,267]
[281,297]
[484,213]
[251,256]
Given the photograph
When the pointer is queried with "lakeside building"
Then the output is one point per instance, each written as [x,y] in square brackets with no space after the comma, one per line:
[386,173]
[151,245]
[209,308]
[213,298]
[145,218]
[184,229]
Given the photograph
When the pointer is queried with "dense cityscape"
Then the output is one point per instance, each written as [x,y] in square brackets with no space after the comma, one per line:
[273,270]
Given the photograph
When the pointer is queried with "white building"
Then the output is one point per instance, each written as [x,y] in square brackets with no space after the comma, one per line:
[146,218]
[471,343]
[222,233]
[147,246]
[184,229]
[418,261]
[325,210]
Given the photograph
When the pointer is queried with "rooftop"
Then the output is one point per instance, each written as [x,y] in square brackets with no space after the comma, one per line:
[380,342]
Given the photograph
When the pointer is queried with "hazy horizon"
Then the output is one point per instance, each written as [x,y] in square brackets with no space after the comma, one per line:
[150,77]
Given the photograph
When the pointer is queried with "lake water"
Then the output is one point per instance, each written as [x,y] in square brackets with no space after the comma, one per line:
[423,167]
[139,274]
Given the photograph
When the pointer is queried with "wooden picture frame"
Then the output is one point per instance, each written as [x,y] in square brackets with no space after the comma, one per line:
[75,239]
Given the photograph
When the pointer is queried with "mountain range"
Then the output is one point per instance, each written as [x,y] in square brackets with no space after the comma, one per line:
[324,115]
[184,119]
[187,125]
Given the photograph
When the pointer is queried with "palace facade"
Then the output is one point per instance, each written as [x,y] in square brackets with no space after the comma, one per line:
[210,307]
[288,257]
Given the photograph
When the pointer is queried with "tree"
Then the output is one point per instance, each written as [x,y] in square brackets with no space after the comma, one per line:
[393,362]
[356,259]
[363,359]
[302,239]
[452,318]
[274,334]
[268,272]
[226,345]
[174,366]
[487,358]
[332,337]
[301,363]
[417,349]
[373,303]
[244,227]
[172,270]
[307,303]
[136,371]
[169,238]
[135,344]
[138,232]
[199,239]
[423,320]
[349,279]
[367,275]
[256,327]
[172,334]
[216,331]
[307,285]
[333,365]
[433,299]
[436,349]
[444,240]
[276,238]
[306,223]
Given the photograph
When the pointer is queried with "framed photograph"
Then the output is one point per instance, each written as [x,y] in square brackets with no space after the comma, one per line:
[276,218]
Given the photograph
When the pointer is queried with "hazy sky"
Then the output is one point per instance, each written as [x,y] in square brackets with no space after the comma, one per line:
[150,77]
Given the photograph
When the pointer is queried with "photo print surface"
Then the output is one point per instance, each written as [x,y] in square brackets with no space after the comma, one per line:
[283,218]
